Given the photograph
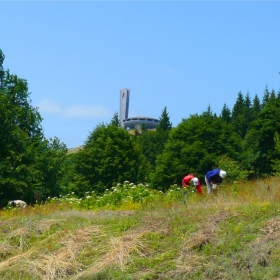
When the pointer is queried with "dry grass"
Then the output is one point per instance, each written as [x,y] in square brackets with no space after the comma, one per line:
[62,263]
[75,244]
[57,264]
[117,253]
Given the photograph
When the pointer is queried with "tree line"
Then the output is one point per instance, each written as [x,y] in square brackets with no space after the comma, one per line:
[243,140]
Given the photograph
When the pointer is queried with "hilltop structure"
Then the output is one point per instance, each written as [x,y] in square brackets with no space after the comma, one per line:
[130,123]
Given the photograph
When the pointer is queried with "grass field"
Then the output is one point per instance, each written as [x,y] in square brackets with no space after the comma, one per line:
[234,235]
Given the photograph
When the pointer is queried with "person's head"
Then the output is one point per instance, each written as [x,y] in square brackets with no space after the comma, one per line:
[222,174]
[12,203]
[195,181]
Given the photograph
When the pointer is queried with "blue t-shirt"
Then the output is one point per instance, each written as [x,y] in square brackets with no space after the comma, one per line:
[213,176]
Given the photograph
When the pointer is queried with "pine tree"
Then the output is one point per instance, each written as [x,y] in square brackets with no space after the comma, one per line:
[164,120]
[225,114]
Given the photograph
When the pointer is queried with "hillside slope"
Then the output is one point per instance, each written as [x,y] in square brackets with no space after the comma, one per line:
[235,235]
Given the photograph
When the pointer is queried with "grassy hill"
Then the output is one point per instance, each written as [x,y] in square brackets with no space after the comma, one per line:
[234,235]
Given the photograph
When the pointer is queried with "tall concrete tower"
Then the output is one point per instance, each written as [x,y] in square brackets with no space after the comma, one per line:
[124,104]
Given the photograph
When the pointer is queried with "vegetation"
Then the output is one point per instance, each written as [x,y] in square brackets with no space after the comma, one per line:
[244,141]
[114,208]
[140,233]
[30,165]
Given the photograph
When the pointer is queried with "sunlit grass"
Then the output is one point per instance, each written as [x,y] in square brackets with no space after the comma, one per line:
[134,232]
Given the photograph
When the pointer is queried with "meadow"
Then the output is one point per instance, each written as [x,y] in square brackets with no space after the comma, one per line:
[134,232]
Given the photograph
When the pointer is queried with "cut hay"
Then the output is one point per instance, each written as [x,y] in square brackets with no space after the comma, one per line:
[118,253]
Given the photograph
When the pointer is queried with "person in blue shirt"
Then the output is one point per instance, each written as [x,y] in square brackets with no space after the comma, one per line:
[214,178]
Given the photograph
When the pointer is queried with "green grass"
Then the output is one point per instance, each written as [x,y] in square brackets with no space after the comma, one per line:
[234,235]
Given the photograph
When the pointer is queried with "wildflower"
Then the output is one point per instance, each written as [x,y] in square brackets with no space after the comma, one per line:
[88,196]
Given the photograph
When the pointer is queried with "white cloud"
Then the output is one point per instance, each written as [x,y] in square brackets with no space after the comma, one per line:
[86,111]
[50,107]
[74,111]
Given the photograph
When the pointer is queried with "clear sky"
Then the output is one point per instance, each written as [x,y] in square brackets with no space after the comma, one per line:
[186,55]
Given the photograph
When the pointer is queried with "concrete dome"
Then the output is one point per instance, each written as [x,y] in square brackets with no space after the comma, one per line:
[138,122]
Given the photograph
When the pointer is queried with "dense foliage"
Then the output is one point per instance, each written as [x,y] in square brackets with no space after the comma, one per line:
[243,140]
[30,165]
[110,156]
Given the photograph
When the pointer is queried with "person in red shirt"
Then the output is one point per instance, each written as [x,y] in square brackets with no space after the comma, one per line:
[191,179]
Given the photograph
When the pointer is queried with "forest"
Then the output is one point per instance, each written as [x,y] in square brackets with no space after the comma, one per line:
[243,140]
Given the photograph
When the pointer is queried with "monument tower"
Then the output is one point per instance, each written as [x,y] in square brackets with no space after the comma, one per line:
[124,104]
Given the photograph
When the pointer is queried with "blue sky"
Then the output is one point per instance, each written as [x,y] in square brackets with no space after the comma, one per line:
[185,55]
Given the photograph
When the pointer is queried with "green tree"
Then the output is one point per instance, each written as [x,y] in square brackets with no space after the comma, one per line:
[256,107]
[265,97]
[152,143]
[259,147]
[164,120]
[115,120]
[276,162]
[2,58]
[22,144]
[241,115]
[193,147]
[109,156]
[226,114]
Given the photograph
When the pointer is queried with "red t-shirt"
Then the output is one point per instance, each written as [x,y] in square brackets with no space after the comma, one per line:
[187,182]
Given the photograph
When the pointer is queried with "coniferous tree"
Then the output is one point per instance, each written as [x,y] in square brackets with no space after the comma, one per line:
[265,97]
[259,147]
[226,114]
[256,107]
[164,120]
[237,114]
